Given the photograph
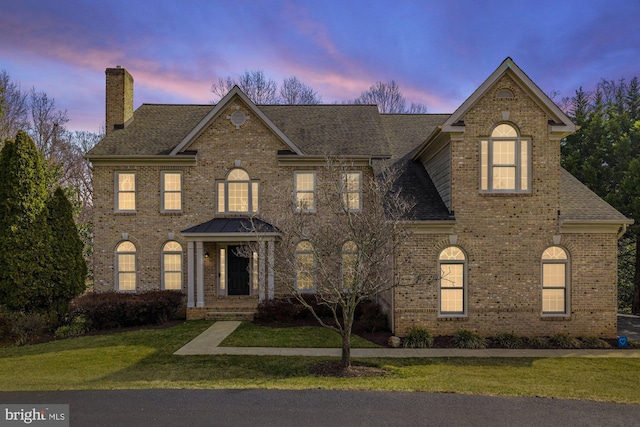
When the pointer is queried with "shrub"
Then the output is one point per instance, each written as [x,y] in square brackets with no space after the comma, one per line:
[468,339]
[113,310]
[507,340]
[418,338]
[24,327]
[78,326]
[538,342]
[370,318]
[593,342]
[564,341]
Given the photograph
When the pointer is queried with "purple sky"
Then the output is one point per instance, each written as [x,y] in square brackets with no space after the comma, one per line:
[438,52]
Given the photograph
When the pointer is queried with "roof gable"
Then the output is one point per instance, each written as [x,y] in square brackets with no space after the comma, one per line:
[218,109]
[562,123]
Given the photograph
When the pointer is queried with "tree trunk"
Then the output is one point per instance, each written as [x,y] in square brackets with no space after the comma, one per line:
[635,305]
[346,348]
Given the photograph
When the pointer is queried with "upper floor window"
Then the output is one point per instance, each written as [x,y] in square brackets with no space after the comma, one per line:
[453,281]
[505,160]
[238,193]
[305,191]
[555,281]
[171,191]
[126,266]
[172,265]
[351,190]
[305,263]
[125,191]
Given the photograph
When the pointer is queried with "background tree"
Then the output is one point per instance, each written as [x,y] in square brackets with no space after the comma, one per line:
[68,266]
[605,155]
[293,91]
[389,99]
[25,236]
[15,108]
[259,88]
[347,258]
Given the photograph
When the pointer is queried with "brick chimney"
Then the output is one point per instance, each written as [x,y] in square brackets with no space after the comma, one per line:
[119,98]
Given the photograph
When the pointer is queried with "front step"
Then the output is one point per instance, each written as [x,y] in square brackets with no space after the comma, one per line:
[230,315]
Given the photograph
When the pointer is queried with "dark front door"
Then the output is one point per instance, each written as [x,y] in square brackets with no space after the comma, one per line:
[238,270]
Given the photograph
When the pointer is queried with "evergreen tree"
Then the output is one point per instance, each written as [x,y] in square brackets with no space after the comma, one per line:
[69,269]
[25,236]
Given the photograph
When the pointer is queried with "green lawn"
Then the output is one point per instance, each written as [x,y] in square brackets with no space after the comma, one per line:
[250,335]
[144,359]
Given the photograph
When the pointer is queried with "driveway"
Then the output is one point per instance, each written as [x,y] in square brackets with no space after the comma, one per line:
[629,326]
[299,408]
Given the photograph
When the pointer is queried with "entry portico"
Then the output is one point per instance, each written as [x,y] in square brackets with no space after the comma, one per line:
[218,246]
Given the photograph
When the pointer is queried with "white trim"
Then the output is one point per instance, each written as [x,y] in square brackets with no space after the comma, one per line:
[190,275]
[200,274]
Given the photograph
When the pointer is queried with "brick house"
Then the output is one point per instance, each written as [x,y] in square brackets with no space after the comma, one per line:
[524,247]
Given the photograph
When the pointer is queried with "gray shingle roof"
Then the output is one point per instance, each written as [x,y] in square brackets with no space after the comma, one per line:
[578,203]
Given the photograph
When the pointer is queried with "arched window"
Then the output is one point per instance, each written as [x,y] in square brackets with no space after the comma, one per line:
[126,266]
[505,160]
[555,281]
[349,264]
[305,262]
[453,281]
[238,193]
[172,266]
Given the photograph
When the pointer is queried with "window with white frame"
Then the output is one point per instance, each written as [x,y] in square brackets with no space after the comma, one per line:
[238,193]
[351,190]
[305,191]
[349,265]
[125,191]
[172,266]
[505,160]
[305,262]
[453,281]
[555,281]
[171,191]
[126,266]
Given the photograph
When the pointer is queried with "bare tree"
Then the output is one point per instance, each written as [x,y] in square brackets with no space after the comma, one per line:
[389,99]
[47,126]
[293,91]
[259,88]
[14,106]
[339,248]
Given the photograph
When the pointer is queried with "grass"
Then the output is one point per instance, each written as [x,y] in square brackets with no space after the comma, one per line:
[144,359]
[250,335]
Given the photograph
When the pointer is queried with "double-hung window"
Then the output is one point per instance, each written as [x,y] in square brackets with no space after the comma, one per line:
[555,281]
[238,193]
[305,191]
[453,281]
[172,265]
[125,191]
[305,263]
[126,276]
[171,191]
[351,190]
[505,160]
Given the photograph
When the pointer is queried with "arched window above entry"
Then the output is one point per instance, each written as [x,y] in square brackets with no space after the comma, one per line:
[238,193]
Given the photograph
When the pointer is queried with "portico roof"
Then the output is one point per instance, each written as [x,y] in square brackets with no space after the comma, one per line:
[238,228]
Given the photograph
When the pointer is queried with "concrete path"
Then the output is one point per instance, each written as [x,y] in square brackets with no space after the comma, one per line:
[208,343]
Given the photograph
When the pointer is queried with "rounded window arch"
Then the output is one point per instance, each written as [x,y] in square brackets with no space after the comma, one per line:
[555,281]
[452,263]
[505,161]
[172,265]
[126,261]
[305,263]
[238,193]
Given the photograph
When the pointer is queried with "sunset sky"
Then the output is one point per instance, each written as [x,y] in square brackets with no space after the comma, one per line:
[438,52]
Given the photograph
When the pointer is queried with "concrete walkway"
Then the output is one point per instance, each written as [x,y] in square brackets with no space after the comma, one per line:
[208,343]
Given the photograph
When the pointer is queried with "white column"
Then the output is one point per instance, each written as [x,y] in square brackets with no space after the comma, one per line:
[262,258]
[190,278]
[270,260]
[200,273]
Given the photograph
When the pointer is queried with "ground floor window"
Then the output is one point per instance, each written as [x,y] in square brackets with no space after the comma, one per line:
[453,279]
[126,266]
[555,280]
[172,266]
